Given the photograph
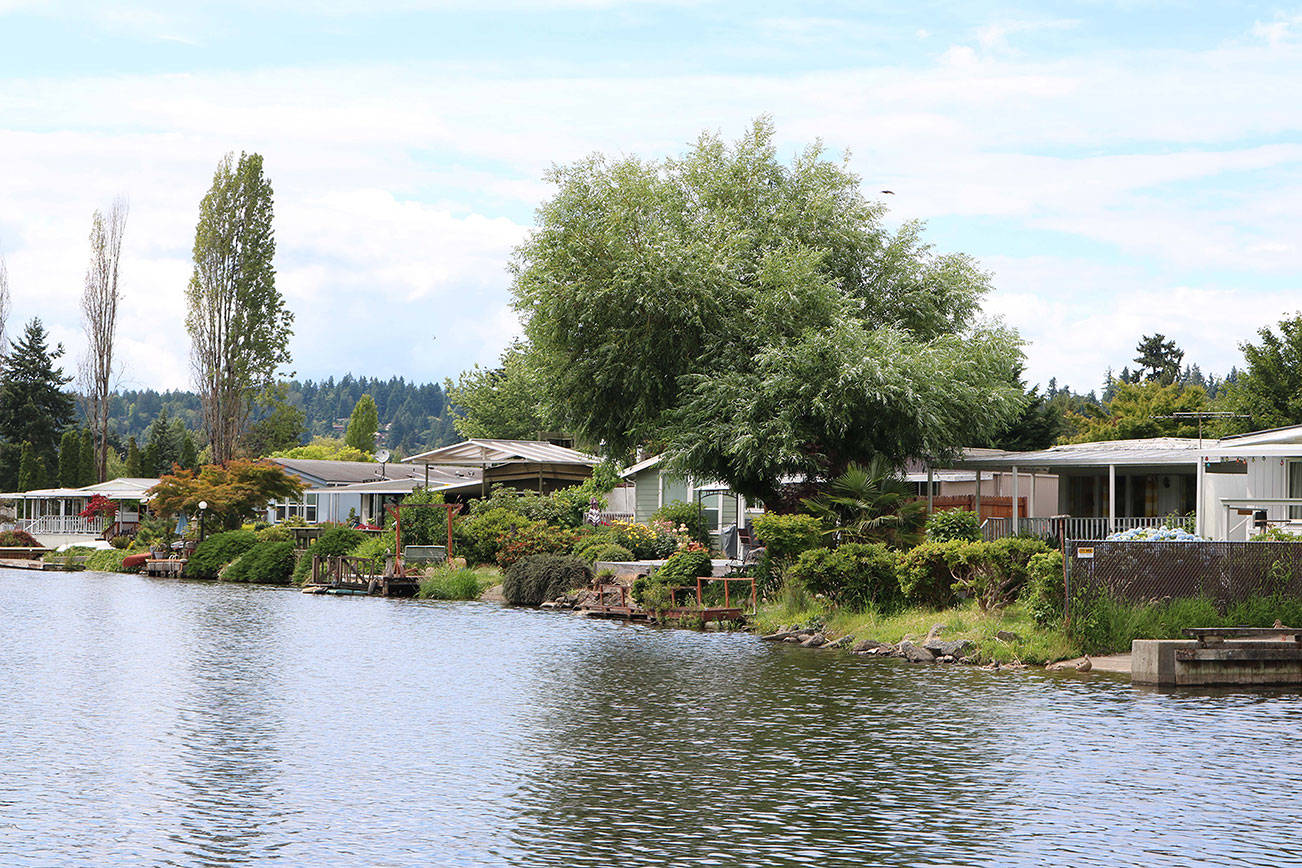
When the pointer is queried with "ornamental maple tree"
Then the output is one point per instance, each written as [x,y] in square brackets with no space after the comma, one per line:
[99,505]
[234,490]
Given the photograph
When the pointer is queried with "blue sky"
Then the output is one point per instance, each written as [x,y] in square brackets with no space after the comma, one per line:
[1121,168]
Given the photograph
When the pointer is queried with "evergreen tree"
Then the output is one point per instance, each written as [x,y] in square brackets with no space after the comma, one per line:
[70,459]
[31,472]
[33,406]
[1158,361]
[189,455]
[362,424]
[89,471]
[133,459]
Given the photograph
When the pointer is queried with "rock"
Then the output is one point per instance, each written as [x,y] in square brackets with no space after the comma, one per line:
[955,648]
[493,595]
[843,642]
[817,640]
[780,635]
[1006,636]
[792,640]
[936,630]
[969,660]
[945,658]
[868,645]
[914,654]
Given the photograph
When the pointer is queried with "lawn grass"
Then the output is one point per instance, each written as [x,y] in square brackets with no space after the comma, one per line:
[458,583]
[1036,645]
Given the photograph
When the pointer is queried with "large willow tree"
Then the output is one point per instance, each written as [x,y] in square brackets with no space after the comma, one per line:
[756,316]
[239,327]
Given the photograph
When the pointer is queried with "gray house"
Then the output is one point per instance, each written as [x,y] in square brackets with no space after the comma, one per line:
[654,487]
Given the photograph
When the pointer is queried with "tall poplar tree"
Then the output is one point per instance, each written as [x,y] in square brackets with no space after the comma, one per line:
[239,326]
[362,424]
[99,310]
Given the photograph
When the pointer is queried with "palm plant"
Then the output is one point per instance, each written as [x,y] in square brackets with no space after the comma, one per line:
[870,504]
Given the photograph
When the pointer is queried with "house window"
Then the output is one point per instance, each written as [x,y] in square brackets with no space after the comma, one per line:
[304,509]
[1295,487]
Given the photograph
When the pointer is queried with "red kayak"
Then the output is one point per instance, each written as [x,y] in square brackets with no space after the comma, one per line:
[135,562]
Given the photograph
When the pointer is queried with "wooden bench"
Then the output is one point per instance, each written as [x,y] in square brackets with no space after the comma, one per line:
[1209,636]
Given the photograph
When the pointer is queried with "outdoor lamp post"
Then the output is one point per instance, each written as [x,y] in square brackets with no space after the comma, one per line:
[203,505]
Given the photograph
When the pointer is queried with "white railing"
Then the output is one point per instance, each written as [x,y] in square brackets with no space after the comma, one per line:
[63,525]
[616,516]
[1088,527]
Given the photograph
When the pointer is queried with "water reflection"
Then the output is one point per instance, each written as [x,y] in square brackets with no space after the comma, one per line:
[157,722]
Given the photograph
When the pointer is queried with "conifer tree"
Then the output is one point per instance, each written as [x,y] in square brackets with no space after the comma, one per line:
[34,409]
[70,459]
[88,463]
[133,459]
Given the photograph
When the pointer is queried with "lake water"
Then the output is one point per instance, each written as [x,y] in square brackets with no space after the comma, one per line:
[159,722]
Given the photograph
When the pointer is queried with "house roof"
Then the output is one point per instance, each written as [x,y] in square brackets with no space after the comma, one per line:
[122,488]
[1152,451]
[482,452]
[440,479]
[644,464]
[332,473]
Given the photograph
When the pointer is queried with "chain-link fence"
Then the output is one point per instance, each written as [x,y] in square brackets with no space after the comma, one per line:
[1226,572]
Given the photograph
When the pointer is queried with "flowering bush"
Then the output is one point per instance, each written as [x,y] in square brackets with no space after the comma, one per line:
[1154,534]
[534,538]
[645,541]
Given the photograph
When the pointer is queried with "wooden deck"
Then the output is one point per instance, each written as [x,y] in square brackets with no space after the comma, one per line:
[348,576]
[627,610]
[170,568]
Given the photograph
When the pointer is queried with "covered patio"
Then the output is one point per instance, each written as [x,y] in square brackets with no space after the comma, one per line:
[533,464]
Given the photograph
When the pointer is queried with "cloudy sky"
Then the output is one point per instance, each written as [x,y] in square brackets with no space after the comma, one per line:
[1121,167]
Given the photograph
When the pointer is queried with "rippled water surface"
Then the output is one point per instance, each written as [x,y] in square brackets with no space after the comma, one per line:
[160,722]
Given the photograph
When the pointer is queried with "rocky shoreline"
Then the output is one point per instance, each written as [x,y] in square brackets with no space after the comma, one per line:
[932,649]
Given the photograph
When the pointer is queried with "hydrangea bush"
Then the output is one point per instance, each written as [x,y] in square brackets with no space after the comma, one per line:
[1154,534]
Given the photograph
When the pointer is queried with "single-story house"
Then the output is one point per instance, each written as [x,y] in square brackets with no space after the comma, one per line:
[528,464]
[367,501]
[318,475]
[655,486]
[1232,487]
[52,514]
[956,488]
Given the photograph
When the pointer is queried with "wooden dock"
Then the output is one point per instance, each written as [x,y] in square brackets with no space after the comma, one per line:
[349,576]
[169,568]
[621,605]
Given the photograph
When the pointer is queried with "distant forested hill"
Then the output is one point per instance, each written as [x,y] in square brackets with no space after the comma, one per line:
[413,417]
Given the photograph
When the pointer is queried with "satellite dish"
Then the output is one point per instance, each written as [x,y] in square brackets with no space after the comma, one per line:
[383,455]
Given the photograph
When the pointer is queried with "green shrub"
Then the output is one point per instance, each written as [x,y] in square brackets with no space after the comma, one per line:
[604,551]
[855,575]
[376,548]
[784,537]
[992,573]
[334,541]
[120,541]
[106,560]
[455,583]
[685,515]
[1276,534]
[535,579]
[17,539]
[424,525]
[267,563]
[217,551]
[683,568]
[272,533]
[154,530]
[655,595]
[534,538]
[1044,592]
[924,576]
[530,505]
[478,536]
[953,524]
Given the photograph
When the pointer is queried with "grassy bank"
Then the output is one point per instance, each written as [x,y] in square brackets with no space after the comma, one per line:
[458,583]
[1035,645]
[1098,626]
